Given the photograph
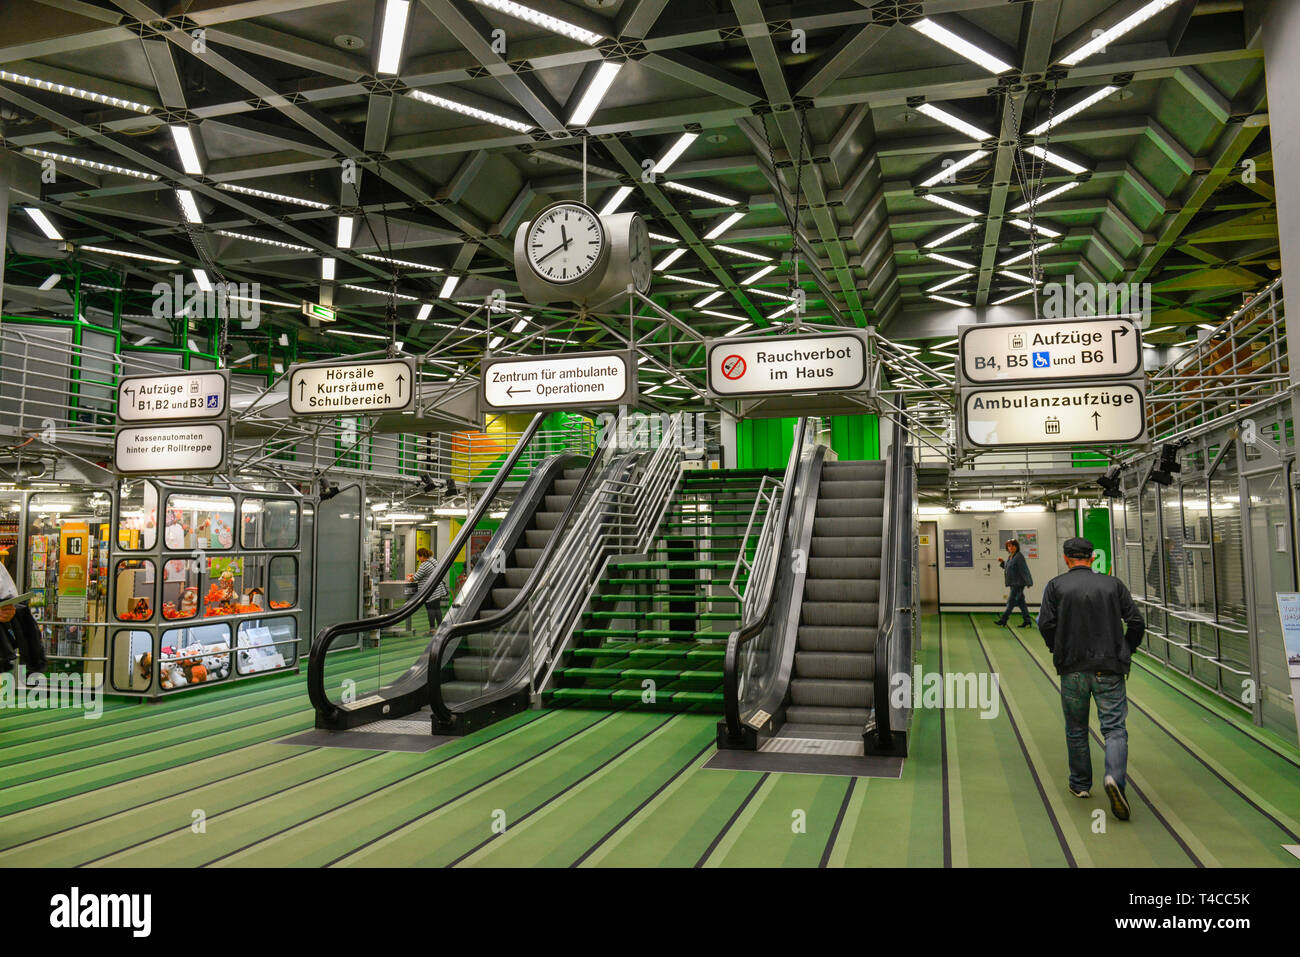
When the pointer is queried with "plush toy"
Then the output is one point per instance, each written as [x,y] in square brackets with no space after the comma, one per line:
[198,674]
[189,602]
[144,664]
[173,676]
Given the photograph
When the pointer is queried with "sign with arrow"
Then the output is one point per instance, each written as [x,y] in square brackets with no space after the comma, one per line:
[167,398]
[577,381]
[349,388]
[1080,348]
[1101,413]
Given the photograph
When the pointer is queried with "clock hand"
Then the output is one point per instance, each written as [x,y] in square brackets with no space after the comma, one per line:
[563,245]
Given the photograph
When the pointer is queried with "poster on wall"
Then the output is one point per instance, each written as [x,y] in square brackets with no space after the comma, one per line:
[986,569]
[1028,539]
[1288,610]
[984,547]
[74,559]
[958,548]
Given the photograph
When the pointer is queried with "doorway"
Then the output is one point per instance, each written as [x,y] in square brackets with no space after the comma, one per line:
[928,559]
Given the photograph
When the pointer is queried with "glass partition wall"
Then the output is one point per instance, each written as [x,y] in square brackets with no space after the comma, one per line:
[1205,556]
[215,596]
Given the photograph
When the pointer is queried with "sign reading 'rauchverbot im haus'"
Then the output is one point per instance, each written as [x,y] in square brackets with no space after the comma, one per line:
[333,388]
[781,365]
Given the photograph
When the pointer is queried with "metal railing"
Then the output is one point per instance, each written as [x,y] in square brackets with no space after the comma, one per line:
[762,512]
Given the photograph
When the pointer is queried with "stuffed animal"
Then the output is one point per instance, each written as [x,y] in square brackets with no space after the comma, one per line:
[198,674]
[173,676]
[144,664]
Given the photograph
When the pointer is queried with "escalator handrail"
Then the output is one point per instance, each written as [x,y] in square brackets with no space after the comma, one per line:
[755,625]
[474,626]
[892,568]
[328,635]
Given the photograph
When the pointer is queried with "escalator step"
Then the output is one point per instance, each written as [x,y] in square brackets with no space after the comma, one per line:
[831,489]
[832,664]
[830,692]
[537,538]
[850,527]
[850,507]
[843,567]
[841,717]
[826,547]
[834,638]
[846,614]
[841,589]
[854,471]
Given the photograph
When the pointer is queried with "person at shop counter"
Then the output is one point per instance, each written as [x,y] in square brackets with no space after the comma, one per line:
[1015,573]
[422,573]
[19,633]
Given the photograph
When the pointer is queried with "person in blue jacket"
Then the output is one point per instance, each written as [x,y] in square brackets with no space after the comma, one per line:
[1015,573]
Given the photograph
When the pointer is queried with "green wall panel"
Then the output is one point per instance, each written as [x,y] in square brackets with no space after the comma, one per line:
[766,443]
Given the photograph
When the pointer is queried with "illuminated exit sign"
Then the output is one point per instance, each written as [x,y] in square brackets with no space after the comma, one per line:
[314,310]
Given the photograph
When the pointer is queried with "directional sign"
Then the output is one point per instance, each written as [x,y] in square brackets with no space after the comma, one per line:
[575,381]
[159,398]
[332,388]
[158,449]
[314,310]
[781,365]
[1086,348]
[1101,413]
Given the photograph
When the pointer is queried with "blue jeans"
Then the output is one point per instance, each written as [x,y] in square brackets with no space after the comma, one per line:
[1017,600]
[1077,688]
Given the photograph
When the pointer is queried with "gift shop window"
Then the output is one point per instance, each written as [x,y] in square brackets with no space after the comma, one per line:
[199,523]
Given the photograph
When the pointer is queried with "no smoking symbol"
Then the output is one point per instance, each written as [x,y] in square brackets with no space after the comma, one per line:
[733,367]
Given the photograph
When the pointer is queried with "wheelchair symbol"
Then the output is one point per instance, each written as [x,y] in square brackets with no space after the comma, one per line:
[1042,360]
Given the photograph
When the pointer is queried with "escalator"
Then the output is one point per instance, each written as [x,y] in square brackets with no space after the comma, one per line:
[552,478]
[832,621]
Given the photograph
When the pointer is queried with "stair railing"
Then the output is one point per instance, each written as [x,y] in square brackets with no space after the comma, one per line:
[762,512]
[760,589]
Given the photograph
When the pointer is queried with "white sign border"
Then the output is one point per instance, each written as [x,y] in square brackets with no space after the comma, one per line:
[222,428]
[218,417]
[965,380]
[967,445]
[630,396]
[408,361]
[864,385]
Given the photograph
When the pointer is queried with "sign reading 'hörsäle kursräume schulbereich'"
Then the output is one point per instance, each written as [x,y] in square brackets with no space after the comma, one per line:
[334,388]
[782,365]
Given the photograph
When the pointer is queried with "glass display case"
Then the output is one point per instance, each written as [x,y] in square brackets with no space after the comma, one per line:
[214,597]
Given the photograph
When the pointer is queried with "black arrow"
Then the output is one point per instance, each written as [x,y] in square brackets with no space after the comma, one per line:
[1115,335]
[130,391]
[401,379]
[1096,421]
[512,390]
[302,384]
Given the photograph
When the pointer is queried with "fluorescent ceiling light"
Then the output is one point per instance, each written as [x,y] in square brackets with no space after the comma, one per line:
[1073,110]
[259,239]
[471,111]
[201,277]
[696,282]
[659,237]
[266,302]
[327,267]
[1013,297]
[51,281]
[496,341]
[1021,257]
[616,200]
[394,32]
[1029,227]
[589,102]
[755,291]
[671,258]
[738,329]
[1056,159]
[1102,40]
[951,302]
[949,236]
[674,152]
[88,164]
[183,136]
[1206,326]
[931,510]
[1051,194]
[267,194]
[724,225]
[722,315]
[519,326]
[652,390]
[736,251]
[42,222]
[758,274]
[1027,508]
[781,312]
[947,203]
[448,287]
[946,342]
[954,122]
[1019,277]
[981,505]
[940,257]
[189,207]
[701,193]
[708,299]
[423,267]
[379,292]
[942,35]
[343,237]
[952,169]
[356,335]
[961,277]
[131,255]
[75,91]
[423,314]
[544,20]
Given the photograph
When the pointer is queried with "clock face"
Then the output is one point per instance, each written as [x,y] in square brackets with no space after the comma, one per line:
[565,243]
[639,248]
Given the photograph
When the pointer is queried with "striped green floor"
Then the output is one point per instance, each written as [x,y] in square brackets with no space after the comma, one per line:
[202,780]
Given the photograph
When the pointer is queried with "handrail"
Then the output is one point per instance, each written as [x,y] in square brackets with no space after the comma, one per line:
[898,534]
[327,636]
[440,710]
[755,625]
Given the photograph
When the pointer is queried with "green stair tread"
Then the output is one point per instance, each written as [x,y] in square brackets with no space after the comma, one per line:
[607,651]
[665,597]
[669,564]
[669,615]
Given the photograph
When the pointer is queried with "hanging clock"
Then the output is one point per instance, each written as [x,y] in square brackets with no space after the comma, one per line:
[570,253]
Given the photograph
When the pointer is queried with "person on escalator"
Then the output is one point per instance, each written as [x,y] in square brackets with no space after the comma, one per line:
[423,572]
[19,633]
[1080,620]
[1015,573]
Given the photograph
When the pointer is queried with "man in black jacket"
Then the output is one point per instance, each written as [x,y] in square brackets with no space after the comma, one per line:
[1079,619]
[1015,573]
